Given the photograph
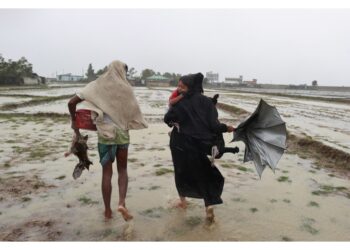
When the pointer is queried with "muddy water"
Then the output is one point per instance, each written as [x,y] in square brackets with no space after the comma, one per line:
[297,202]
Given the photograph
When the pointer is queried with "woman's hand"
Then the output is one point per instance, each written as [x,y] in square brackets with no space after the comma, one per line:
[230,129]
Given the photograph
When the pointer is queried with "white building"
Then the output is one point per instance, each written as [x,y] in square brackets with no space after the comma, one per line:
[69,78]
[234,80]
[212,77]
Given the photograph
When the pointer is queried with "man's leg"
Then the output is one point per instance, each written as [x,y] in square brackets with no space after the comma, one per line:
[122,162]
[107,188]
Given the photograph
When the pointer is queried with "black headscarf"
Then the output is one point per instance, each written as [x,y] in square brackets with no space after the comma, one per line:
[193,82]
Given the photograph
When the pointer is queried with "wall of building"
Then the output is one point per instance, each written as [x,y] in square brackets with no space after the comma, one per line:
[157,84]
[30,80]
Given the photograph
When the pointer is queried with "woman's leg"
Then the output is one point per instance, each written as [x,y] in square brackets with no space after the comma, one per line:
[107,188]
[122,160]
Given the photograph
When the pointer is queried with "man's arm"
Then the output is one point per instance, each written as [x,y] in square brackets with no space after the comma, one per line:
[72,106]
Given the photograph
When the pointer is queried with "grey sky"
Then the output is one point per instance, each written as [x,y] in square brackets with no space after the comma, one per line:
[288,46]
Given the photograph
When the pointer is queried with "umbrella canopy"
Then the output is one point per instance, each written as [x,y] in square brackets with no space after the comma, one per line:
[264,134]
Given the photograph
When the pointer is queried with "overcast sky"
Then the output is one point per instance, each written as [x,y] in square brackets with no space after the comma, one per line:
[286,46]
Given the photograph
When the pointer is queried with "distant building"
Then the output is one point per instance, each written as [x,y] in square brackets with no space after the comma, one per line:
[157,81]
[33,80]
[234,80]
[251,83]
[50,79]
[134,81]
[69,78]
[212,77]
[30,80]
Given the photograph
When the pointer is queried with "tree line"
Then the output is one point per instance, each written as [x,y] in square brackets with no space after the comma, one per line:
[131,74]
[12,72]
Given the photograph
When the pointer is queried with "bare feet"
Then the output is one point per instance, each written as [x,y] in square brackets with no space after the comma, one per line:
[125,213]
[182,203]
[108,214]
[210,214]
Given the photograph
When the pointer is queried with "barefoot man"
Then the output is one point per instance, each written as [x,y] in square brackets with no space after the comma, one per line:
[115,111]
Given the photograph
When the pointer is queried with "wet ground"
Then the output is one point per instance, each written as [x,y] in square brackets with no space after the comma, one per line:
[40,201]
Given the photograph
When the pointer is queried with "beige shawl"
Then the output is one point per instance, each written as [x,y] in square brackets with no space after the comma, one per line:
[112,94]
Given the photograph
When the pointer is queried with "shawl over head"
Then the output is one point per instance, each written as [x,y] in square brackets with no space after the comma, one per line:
[193,82]
[113,94]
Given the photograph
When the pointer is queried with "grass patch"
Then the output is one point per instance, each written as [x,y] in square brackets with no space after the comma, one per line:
[60,177]
[232,109]
[163,171]
[193,221]
[308,227]
[244,169]
[283,179]
[39,184]
[157,165]
[226,165]
[132,160]
[253,210]
[156,149]
[313,204]
[325,156]
[154,188]
[26,199]
[156,212]
[38,154]
[238,199]
[286,200]
[36,117]
[87,201]
[328,190]
[286,238]
[36,101]
[10,141]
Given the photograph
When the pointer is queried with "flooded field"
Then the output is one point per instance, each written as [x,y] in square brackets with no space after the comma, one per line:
[40,200]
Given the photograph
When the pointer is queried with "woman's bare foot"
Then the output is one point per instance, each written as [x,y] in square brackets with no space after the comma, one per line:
[108,214]
[182,203]
[125,213]
[210,214]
